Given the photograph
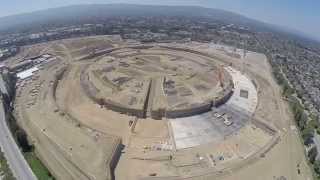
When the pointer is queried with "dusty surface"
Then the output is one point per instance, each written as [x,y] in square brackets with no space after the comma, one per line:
[76,138]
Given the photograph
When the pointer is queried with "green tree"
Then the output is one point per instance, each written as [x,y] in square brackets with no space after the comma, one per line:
[316,167]
[314,124]
[312,154]
[23,141]
[307,135]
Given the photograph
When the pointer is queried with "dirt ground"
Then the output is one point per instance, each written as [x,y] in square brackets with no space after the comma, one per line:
[285,158]
[75,136]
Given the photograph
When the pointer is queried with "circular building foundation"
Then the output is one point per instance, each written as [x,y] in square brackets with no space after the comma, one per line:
[156,82]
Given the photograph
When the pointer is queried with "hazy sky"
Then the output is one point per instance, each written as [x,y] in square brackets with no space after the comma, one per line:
[302,15]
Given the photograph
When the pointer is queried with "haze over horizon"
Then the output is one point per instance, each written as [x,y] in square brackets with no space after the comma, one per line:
[292,14]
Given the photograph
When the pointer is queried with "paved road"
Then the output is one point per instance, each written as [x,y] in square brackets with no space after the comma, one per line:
[15,159]
[3,87]
[316,140]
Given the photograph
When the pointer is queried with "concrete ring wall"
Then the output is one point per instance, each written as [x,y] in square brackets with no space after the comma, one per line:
[155,114]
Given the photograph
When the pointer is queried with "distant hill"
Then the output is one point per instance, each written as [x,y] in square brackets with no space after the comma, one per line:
[97,13]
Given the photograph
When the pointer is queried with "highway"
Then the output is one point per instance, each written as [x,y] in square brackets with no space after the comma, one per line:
[15,159]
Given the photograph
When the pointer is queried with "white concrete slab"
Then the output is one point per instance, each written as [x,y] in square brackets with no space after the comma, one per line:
[205,128]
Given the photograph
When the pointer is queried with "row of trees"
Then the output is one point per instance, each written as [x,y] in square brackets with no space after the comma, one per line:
[307,126]
[18,133]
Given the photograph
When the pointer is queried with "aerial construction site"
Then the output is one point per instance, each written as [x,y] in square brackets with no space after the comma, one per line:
[105,108]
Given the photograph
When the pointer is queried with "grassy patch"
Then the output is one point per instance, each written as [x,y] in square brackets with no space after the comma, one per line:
[37,167]
[5,171]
